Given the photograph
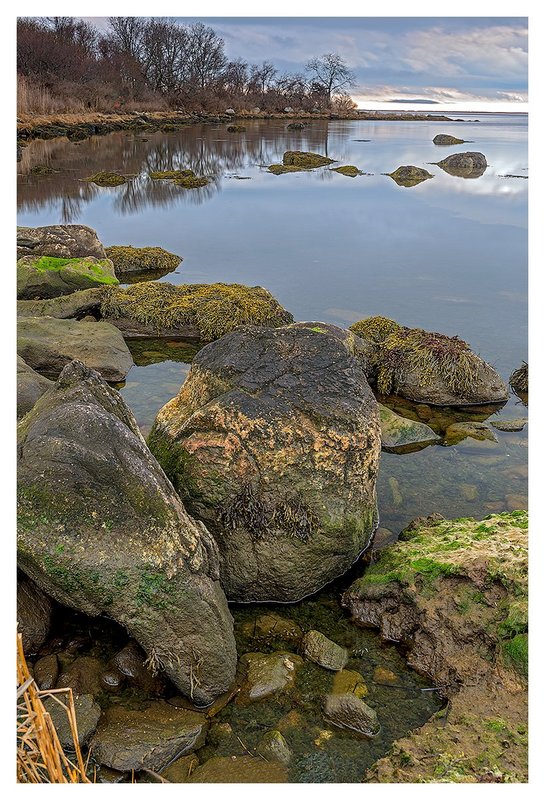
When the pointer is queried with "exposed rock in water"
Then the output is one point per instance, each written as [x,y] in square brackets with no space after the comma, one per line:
[107,179]
[454,592]
[48,345]
[266,674]
[295,126]
[409,175]
[239,769]
[399,434]
[204,311]
[33,614]
[318,648]
[127,259]
[30,387]
[445,138]
[69,306]
[236,128]
[281,169]
[87,716]
[518,379]
[459,431]
[103,531]
[464,165]
[44,277]
[274,441]
[62,241]
[299,158]
[509,425]
[351,712]
[349,170]
[147,739]
[427,367]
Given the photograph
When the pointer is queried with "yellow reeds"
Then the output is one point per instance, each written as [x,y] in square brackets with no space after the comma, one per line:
[40,756]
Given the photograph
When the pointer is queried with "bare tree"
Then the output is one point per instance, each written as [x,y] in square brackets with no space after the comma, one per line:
[332,73]
[262,76]
[206,56]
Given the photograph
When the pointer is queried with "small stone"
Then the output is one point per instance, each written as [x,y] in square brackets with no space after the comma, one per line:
[46,671]
[289,721]
[350,712]
[348,681]
[274,747]
[397,497]
[130,663]
[318,648]
[398,433]
[107,775]
[112,680]
[272,626]
[266,674]
[509,425]
[475,430]
[239,769]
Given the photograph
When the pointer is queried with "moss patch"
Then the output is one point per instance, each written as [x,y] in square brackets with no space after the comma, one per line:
[107,179]
[94,269]
[142,259]
[377,329]
[281,169]
[171,174]
[349,170]
[304,160]
[214,309]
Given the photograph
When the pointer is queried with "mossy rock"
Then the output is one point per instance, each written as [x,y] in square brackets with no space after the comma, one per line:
[304,160]
[171,174]
[427,367]
[191,182]
[402,435]
[127,259]
[42,169]
[445,138]
[205,311]
[281,169]
[107,179]
[45,277]
[349,170]
[236,128]
[409,175]
[459,431]
[518,380]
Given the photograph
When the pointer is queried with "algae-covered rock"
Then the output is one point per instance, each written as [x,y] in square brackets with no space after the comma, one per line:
[147,739]
[204,311]
[410,175]
[445,138]
[459,431]
[348,170]
[347,681]
[427,367]
[44,277]
[30,387]
[399,434]
[272,626]
[239,769]
[281,169]
[464,165]
[62,241]
[318,648]
[34,610]
[266,674]
[273,747]
[295,126]
[518,380]
[42,169]
[48,345]
[107,179]
[129,260]
[509,425]
[171,174]
[273,441]
[87,716]
[455,593]
[298,158]
[102,530]
[352,713]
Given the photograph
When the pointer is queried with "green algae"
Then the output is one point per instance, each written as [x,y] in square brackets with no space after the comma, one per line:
[86,268]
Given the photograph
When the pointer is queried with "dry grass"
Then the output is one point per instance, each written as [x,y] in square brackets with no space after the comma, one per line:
[40,756]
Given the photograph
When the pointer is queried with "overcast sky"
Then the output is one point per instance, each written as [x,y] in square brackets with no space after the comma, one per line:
[462,60]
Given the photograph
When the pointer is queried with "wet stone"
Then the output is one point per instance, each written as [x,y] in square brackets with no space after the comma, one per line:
[239,769]
[180,770]
[83,676]
[474,430]
[385,675]
[509,425]
[321,650]
[348,681]
[112,680]
[266,674]
[130,663]
[350,712]
[272,626]
[274,747]
[46,671]
[107,775]
[87,717]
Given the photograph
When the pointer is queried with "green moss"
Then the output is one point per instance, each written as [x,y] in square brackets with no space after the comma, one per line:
[515,653]
[171,174]
[94,269]
[349,170]
[214,309]
[128,259]
[495,724]
[152,590]
[299,158]
[107,179]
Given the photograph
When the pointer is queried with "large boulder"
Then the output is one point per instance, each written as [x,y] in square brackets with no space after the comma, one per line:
[200,311]
[427,367]
[464,165]
[102,530]
[62,241]
[43,277]
[30,387]
[48,344]
[274,442]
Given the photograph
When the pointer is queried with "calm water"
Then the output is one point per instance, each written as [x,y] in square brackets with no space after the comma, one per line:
[447,255]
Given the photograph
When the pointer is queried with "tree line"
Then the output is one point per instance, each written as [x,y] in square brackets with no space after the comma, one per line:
[154,62]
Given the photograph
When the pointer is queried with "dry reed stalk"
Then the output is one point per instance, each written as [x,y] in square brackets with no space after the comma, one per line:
[40,756]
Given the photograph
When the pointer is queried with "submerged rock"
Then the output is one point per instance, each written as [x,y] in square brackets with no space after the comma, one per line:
[30,387]
[299,158]
[459,431]
[130,260]
[33,614]
[103,531]
[274,441]
[402,434]
[318,648]
[464,165]
[62,241]
[44,277]
[204,311]
[509,425]
[281,169]
[351,712]
[266,674]
[272,626]
[48,345]
[445,138]
[147,739]
[131,663]
[239,769]
[427,367]
[409,175]
[273,747]
[295,126]
[236,128]
[347,681]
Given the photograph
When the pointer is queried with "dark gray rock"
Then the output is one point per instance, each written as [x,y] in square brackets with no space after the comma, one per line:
[102,530]
[61,241]
[445,138]
[30,387]
[87,717]
[351,712]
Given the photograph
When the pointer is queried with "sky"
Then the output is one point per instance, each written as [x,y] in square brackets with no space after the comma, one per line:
[464,62]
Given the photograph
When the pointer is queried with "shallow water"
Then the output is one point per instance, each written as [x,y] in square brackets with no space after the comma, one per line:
[449,254]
